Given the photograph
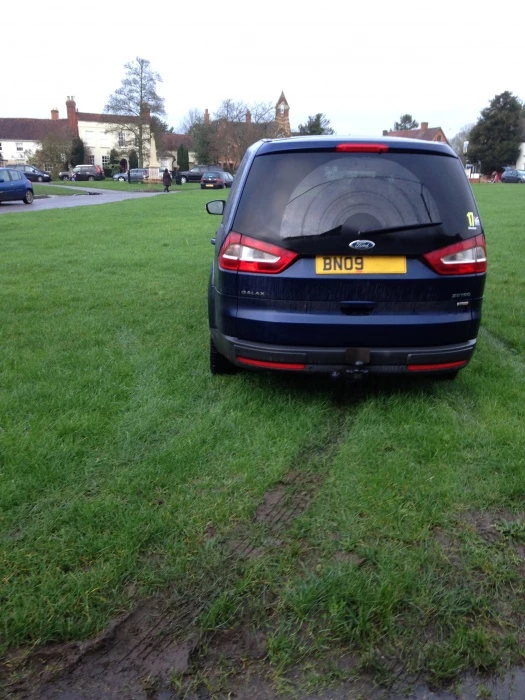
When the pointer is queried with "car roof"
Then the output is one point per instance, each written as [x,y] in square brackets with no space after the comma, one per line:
[300,143]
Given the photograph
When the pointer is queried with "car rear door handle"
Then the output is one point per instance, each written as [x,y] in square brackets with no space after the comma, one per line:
[357,308]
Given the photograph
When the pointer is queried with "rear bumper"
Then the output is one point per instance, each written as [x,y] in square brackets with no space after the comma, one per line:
[414,360]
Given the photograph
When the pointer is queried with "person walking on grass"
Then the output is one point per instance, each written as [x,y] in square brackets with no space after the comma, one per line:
[166,179]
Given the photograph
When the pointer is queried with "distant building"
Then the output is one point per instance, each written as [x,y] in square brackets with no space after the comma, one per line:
[20,138]
[231,138]
[424,133]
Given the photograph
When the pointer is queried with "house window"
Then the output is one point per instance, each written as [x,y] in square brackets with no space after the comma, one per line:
[121,139]
[105,161]
[91,160]
[19,146]
[48,167]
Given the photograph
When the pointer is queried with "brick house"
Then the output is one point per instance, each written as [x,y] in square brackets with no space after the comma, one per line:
[21,138]
[424,133]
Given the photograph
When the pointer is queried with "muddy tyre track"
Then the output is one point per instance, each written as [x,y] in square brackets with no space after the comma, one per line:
[135,656]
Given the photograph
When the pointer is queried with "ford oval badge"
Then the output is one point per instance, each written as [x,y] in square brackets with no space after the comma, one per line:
[362,245]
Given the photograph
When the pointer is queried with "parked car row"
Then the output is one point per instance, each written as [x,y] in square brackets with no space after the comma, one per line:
[193,175]
[198,171]
[15,185]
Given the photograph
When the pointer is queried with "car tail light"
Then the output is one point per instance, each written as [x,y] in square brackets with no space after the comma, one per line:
[241,253]
[361,148]
[465,258]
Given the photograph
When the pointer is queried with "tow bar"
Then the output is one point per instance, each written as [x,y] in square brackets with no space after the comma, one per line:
[354,373]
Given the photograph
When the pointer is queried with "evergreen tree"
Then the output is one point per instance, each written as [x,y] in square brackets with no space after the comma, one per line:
[406,123]
[318,124]
[496,137]
[204,140]
[183,160]
[133,159]
[77,154]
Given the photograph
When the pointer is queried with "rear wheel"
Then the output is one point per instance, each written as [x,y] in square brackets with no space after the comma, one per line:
[40,178]
[183,180]
[91,178]
[218,363]
[121,179]
[28,197]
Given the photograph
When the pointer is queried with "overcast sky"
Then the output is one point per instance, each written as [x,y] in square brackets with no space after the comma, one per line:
[362,63]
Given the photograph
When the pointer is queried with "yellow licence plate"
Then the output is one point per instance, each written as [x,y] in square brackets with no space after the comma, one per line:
[209,185]
[360,265]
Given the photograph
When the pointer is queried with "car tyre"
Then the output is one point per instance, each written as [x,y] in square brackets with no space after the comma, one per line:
[183,181]
[40,178]
[122,179]
[220,364]
[91,178]
[28,197]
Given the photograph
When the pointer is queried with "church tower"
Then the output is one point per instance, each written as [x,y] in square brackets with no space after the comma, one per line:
[282,117]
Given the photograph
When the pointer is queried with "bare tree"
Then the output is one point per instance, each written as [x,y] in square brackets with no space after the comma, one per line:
[133,103]
[193,118]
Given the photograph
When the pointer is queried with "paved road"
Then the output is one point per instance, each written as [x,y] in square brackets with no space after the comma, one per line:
[99,196]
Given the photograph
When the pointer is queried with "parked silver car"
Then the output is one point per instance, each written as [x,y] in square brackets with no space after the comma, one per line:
[135,175]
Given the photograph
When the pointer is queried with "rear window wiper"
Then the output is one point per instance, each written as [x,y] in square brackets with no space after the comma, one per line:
[369,232]
[395,229]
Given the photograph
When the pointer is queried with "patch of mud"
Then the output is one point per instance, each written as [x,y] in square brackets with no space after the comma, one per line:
[280,507]
[132,658]
[136,655]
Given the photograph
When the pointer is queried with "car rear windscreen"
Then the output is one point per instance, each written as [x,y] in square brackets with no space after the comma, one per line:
[300,194]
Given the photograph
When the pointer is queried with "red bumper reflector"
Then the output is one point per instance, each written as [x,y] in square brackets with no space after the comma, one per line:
[443,365]
[271,365]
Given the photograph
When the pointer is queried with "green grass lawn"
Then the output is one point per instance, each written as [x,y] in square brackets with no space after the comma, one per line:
[128,470]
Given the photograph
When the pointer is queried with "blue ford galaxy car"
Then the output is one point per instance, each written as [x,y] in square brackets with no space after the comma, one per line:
[347,256]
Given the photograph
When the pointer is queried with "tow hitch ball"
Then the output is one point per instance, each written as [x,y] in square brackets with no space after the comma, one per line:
[355,372]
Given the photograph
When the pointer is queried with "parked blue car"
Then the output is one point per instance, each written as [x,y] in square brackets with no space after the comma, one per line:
[14,185]
[347,256]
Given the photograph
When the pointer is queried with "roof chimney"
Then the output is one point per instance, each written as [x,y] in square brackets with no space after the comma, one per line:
[206,117]
[424,126]
[248,117]
[385,132]
[54,114]
[72,121]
